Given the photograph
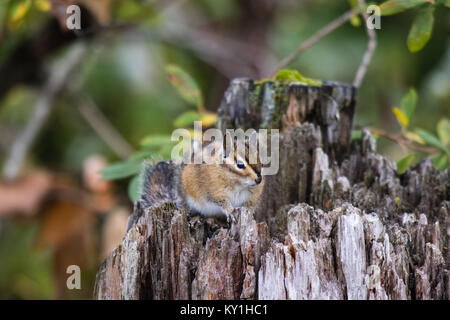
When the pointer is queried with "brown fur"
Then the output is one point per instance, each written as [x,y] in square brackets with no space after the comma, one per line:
[217,183]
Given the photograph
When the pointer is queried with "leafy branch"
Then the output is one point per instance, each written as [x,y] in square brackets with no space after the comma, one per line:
[417,139]
[422,26]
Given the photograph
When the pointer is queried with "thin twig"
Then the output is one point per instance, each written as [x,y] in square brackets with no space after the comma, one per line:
[314,38]
[371,45]
[58,77]
[101,125]
[237,60]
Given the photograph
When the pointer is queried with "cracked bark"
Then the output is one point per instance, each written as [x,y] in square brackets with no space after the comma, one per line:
[336,222]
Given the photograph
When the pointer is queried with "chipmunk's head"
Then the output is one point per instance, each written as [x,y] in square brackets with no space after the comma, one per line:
[243,162]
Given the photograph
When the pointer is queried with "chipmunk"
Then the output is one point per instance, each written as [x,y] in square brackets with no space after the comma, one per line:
[219,187]
[212,188]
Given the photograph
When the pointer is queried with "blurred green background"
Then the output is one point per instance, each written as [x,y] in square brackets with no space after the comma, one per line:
[130,44]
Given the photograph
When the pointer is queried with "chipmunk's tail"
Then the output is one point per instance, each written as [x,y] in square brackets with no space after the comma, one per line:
[157,183]
[160,183]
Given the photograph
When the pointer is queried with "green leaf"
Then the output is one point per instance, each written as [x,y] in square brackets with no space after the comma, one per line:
[440,161]
[156,141]
[443,131]
[141,155]
[185,85]
[421,29]
[134,189]
[121,170]
[432,140]
[413,137]
[404,163]
[396,6]
[408,104]
[187,119]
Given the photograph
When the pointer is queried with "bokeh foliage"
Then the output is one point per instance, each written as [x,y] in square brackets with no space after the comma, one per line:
[152,78]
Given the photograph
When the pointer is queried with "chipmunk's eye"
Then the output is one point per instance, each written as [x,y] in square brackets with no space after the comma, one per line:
[240,165]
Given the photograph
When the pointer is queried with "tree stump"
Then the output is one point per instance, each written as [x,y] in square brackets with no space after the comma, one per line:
[336,222]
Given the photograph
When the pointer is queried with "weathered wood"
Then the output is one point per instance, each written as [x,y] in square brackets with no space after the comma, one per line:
[336,222]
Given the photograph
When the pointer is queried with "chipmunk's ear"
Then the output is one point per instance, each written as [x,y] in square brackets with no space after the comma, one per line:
[228,144]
